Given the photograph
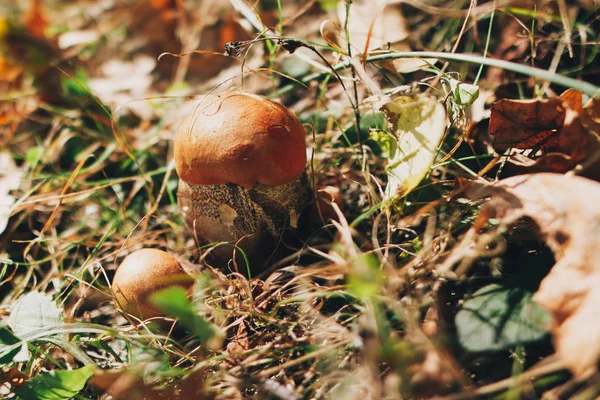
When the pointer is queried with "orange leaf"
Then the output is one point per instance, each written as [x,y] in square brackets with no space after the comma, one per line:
[35,21]
[573,99]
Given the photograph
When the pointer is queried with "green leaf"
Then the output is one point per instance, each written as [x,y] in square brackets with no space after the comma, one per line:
[77,85]
[384,140]
[7,339]
[34,154]
[368,122]
[499,317]
[174,301]
[465,94]
[418,124]
[327,5]
[55,385]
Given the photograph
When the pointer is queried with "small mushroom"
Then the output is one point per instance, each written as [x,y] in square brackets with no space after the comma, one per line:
[143,273]
[241,159]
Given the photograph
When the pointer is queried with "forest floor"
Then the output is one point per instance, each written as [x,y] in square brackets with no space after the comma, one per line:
[459,259]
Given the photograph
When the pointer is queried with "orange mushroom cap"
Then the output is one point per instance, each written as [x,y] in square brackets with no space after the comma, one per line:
[240,138]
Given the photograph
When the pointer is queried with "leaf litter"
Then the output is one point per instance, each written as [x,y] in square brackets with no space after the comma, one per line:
[359,307]
[565,211]
[564,130]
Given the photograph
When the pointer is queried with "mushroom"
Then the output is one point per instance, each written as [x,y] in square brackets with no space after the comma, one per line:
[240,159]
[143,273]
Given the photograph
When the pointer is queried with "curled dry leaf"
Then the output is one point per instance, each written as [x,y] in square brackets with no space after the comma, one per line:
[562,128]
[565,208]
[332,34]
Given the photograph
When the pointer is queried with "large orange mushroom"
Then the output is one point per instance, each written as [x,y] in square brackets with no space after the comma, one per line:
[241,161]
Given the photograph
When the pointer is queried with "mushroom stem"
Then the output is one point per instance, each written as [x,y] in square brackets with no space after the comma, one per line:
[252,219]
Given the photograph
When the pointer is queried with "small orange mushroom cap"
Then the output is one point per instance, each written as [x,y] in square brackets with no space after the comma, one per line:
[240,138]
[143,273]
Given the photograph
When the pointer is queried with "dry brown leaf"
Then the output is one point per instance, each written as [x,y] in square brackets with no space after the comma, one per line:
[524,124]
[373,24]
[577,140]
[572,99]
[332,34]
[565,208]
[378,25]
[566,131]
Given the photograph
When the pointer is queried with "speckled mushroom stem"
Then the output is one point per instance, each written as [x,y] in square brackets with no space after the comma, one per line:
[253,218]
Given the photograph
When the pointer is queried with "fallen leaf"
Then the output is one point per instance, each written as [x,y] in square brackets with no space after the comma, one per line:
[125,84]
[126,384]
[9,71]
[572,99]
[373,24]
[11,79]
[562,128]
[167,8]
[417,124]
[34,312]
[565,209]
[578,138]
[13,376]
[131,76]
[524,124]
[377,25]
[119,384]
